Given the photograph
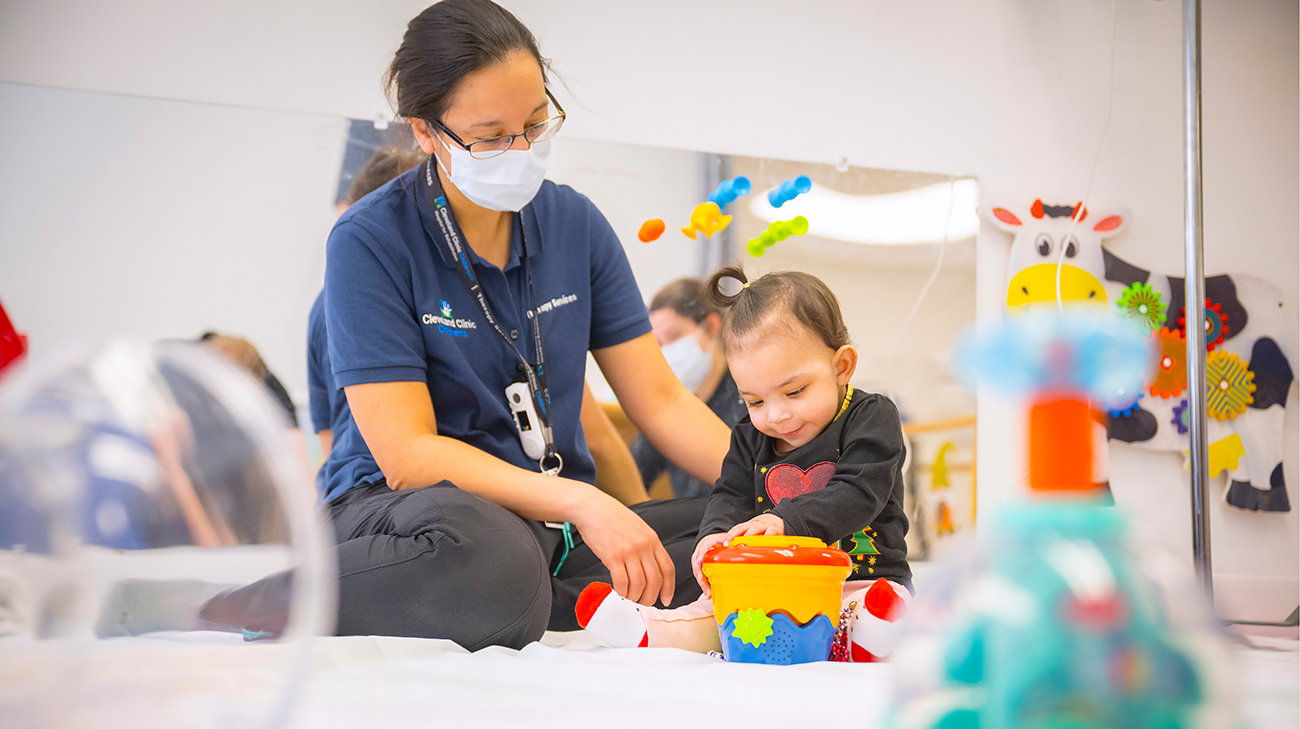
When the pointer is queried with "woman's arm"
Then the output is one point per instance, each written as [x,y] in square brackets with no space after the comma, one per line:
[616,471]
[397,421]
[676,422]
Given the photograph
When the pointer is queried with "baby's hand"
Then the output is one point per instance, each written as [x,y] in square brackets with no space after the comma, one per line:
[698,558]
[759,525]
[763,524]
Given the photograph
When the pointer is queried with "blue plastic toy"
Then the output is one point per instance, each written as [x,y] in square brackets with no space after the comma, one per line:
[729,190]
[1079,351]
[787,643]
[789,190]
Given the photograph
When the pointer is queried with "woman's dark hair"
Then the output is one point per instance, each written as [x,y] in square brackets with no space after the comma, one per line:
[687,297]
[445,43]
[385,164]
[781,298]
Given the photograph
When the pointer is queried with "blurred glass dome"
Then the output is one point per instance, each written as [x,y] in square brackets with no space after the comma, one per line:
[142,489]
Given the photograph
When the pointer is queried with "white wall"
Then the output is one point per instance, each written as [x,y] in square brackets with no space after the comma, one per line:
[150,219]
[630,184]
[1010,91]
[1014,93]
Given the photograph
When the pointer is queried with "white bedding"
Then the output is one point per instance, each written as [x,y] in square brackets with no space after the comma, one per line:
[207,679]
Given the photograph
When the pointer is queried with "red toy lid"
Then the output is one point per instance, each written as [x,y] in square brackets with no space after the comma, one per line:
[777,550]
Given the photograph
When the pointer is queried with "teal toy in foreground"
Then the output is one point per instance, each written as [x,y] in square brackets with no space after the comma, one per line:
[1067,636]
[1051,622]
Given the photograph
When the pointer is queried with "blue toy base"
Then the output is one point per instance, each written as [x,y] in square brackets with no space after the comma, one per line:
[789,642]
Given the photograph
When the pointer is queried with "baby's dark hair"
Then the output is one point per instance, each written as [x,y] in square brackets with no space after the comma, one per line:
[802,296]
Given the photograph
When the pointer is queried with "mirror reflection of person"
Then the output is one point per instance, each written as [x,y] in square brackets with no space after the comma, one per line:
[438,511]
[243,353]
[687,328]
[327,403]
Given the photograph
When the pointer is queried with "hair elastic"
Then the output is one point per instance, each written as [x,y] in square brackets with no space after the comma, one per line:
[744,285]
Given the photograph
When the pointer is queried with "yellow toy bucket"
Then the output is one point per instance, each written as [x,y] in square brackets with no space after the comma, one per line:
[799,576]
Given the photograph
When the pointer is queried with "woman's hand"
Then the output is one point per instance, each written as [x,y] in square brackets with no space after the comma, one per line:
[639,568]
[697,559]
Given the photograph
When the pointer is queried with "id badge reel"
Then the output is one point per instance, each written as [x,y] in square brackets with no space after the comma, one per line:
[524,412]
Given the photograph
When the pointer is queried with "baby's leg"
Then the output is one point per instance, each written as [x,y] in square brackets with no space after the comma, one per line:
[625,624]
[877,620]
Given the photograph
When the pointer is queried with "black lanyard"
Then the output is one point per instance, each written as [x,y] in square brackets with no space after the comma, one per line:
[536,375]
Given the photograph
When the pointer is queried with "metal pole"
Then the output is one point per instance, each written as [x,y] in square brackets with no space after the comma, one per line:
[1195,293]
[715,251]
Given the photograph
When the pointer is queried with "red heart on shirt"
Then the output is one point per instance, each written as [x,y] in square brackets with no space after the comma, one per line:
[787,480]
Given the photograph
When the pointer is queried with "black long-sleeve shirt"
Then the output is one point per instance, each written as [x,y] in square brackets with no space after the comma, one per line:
[845,485]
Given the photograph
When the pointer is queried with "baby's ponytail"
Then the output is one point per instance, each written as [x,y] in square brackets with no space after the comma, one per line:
[714,290]
[789,296]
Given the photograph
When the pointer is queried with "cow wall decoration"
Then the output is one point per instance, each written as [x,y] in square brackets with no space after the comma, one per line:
[1250,335]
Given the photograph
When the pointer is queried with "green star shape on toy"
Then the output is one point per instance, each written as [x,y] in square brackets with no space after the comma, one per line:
[752,627]
[1143,304]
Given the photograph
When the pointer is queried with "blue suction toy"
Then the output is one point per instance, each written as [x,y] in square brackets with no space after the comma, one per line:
[789,190]
[728,190]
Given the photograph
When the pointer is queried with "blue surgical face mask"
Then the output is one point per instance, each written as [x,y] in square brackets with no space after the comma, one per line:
[688,360]
[506,182]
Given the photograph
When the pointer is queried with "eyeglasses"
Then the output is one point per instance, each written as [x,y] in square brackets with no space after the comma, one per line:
[489,148]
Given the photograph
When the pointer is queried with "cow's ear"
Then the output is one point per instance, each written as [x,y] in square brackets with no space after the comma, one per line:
[1001,218]
[1109,223]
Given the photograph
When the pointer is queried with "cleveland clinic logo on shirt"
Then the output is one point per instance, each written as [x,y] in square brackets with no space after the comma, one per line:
[448,323]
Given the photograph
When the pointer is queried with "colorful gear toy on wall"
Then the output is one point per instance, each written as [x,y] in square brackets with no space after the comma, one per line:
[1216,324]
[1143,304]
[1171,368]
[1229,385]
[1180,418]
[1122,404]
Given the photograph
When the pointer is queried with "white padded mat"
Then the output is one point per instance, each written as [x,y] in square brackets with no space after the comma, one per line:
[207,679]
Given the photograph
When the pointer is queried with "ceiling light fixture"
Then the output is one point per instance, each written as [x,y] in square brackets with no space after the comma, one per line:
[897,218]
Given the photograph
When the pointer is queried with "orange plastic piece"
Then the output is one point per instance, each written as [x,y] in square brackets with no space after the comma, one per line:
[1171,369]
[943,519]
[1060,445]
[776,549]
[651,230]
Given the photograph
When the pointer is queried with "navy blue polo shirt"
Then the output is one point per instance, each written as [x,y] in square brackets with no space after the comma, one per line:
[397,311]
[321,393]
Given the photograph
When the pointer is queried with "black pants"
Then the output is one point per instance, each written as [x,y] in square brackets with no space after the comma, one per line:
[438,562]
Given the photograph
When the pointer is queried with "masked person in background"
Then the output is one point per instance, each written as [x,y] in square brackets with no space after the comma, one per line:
[687,327]
[327,401]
